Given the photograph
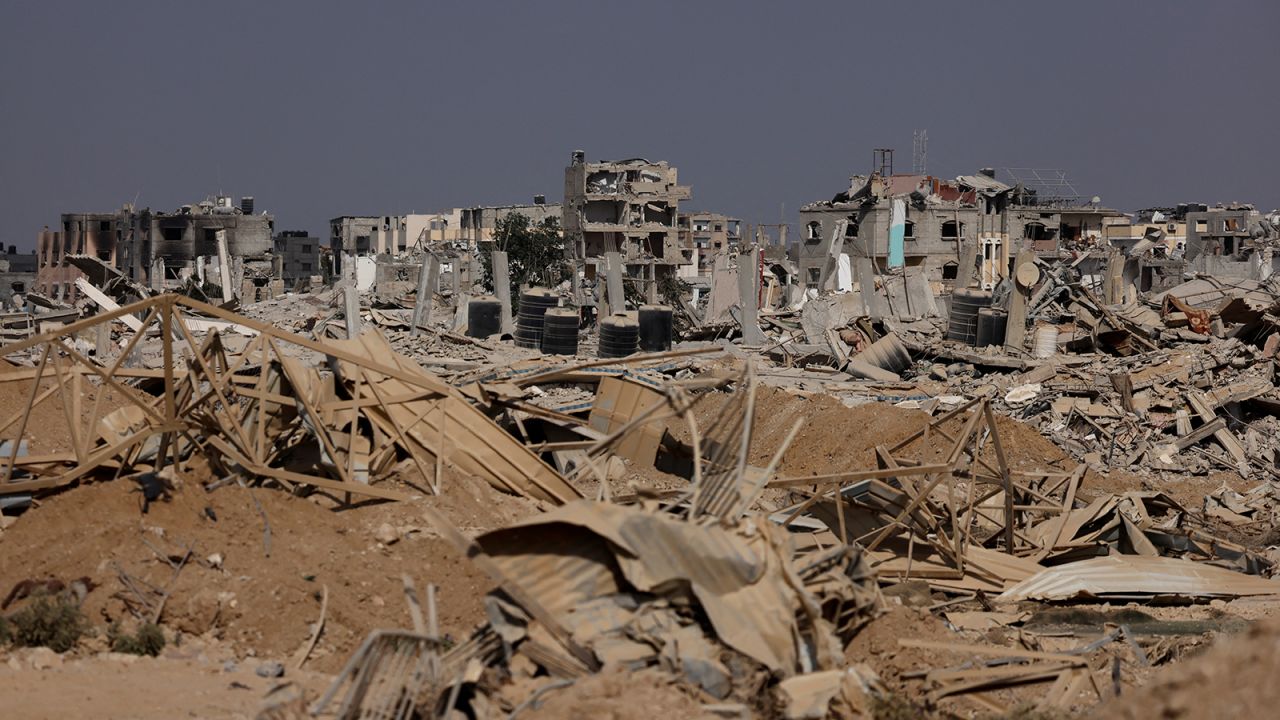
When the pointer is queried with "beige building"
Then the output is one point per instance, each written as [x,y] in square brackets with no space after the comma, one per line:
[630,207]
[707,234]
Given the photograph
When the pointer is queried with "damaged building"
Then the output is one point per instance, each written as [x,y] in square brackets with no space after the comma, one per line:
[154,248]
[17,276]
[707,234]
[940,224]
[476,224]
[1234,241]
[630,207]
[298,254]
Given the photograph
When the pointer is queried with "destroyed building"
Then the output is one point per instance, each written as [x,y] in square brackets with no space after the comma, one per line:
[1231,241]
[151,247]
[630,207]
[938,219]
[476,224]
[17,275]
[707,234]
[298,253]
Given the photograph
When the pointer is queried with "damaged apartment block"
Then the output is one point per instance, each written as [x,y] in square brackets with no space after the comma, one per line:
[162,250]
[629,207]
[957,233]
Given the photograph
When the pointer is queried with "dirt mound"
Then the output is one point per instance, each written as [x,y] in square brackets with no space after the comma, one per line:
[47,430]
[835,437]
[231,589]
[1234,679]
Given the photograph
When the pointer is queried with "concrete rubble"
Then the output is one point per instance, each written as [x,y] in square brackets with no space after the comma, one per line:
[664,533]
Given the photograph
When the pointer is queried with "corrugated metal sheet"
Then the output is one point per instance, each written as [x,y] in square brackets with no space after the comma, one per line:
[1135,575]
[738,577]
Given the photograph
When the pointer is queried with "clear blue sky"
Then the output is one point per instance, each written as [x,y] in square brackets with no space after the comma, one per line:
[327,108]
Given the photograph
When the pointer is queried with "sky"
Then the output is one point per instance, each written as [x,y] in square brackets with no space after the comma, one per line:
[320,109]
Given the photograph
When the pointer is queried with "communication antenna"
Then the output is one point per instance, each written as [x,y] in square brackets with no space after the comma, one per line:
[920,152]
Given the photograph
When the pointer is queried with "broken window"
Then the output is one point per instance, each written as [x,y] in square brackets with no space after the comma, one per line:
[1202,226]
[952,230]
[950,271]
[815,274]
[104,226]
[1035,231]
[851,229]
[171,234]
[909,230]
[814,230]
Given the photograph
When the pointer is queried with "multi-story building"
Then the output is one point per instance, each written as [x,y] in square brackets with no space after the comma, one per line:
[630,207]
[132,241]
[298,253]
[708,234]
[939,218]
[476,224]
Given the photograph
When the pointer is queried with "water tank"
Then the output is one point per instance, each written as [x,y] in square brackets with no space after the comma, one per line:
[655,328]
[560,331]
[534,303]
[619,336]
[992,323]
[484,316]
[246,205]
[965,304]
[1046,341]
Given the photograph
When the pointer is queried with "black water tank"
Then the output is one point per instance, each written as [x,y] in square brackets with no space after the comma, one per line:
[965,304]
[484,316]
[992,323]
[560,331]
[619,336]
[655,328]
[534,303]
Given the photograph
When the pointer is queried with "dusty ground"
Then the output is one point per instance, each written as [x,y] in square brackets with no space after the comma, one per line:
[197,680]
[1235,679]
[234,591]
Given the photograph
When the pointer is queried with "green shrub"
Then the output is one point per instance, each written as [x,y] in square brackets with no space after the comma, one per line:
[149,640]
[52,622]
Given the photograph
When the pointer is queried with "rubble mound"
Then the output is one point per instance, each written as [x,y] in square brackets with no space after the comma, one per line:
[1233,679]
[230,588]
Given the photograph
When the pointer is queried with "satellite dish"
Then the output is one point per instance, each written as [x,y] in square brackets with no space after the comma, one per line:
[1096,200]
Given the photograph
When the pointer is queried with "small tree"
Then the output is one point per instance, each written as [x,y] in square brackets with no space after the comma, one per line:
[535,253]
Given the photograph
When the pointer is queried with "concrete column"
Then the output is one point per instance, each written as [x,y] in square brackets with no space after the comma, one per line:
[502,288]
[615,296]
[224,266]
[1016,331]
[428,281]
[351,298]
[157,274]
[749,297]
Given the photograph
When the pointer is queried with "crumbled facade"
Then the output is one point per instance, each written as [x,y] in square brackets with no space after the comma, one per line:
[706,234]
[17,276]
[476,224]
[940,217]
[131,240]
[630,207]
[298,255]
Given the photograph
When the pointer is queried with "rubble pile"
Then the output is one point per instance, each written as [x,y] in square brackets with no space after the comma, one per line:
[661,534]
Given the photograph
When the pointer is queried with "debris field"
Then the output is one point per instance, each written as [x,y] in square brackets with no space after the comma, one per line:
[348,504]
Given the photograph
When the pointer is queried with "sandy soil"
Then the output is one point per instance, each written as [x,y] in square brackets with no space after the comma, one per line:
[231,589]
